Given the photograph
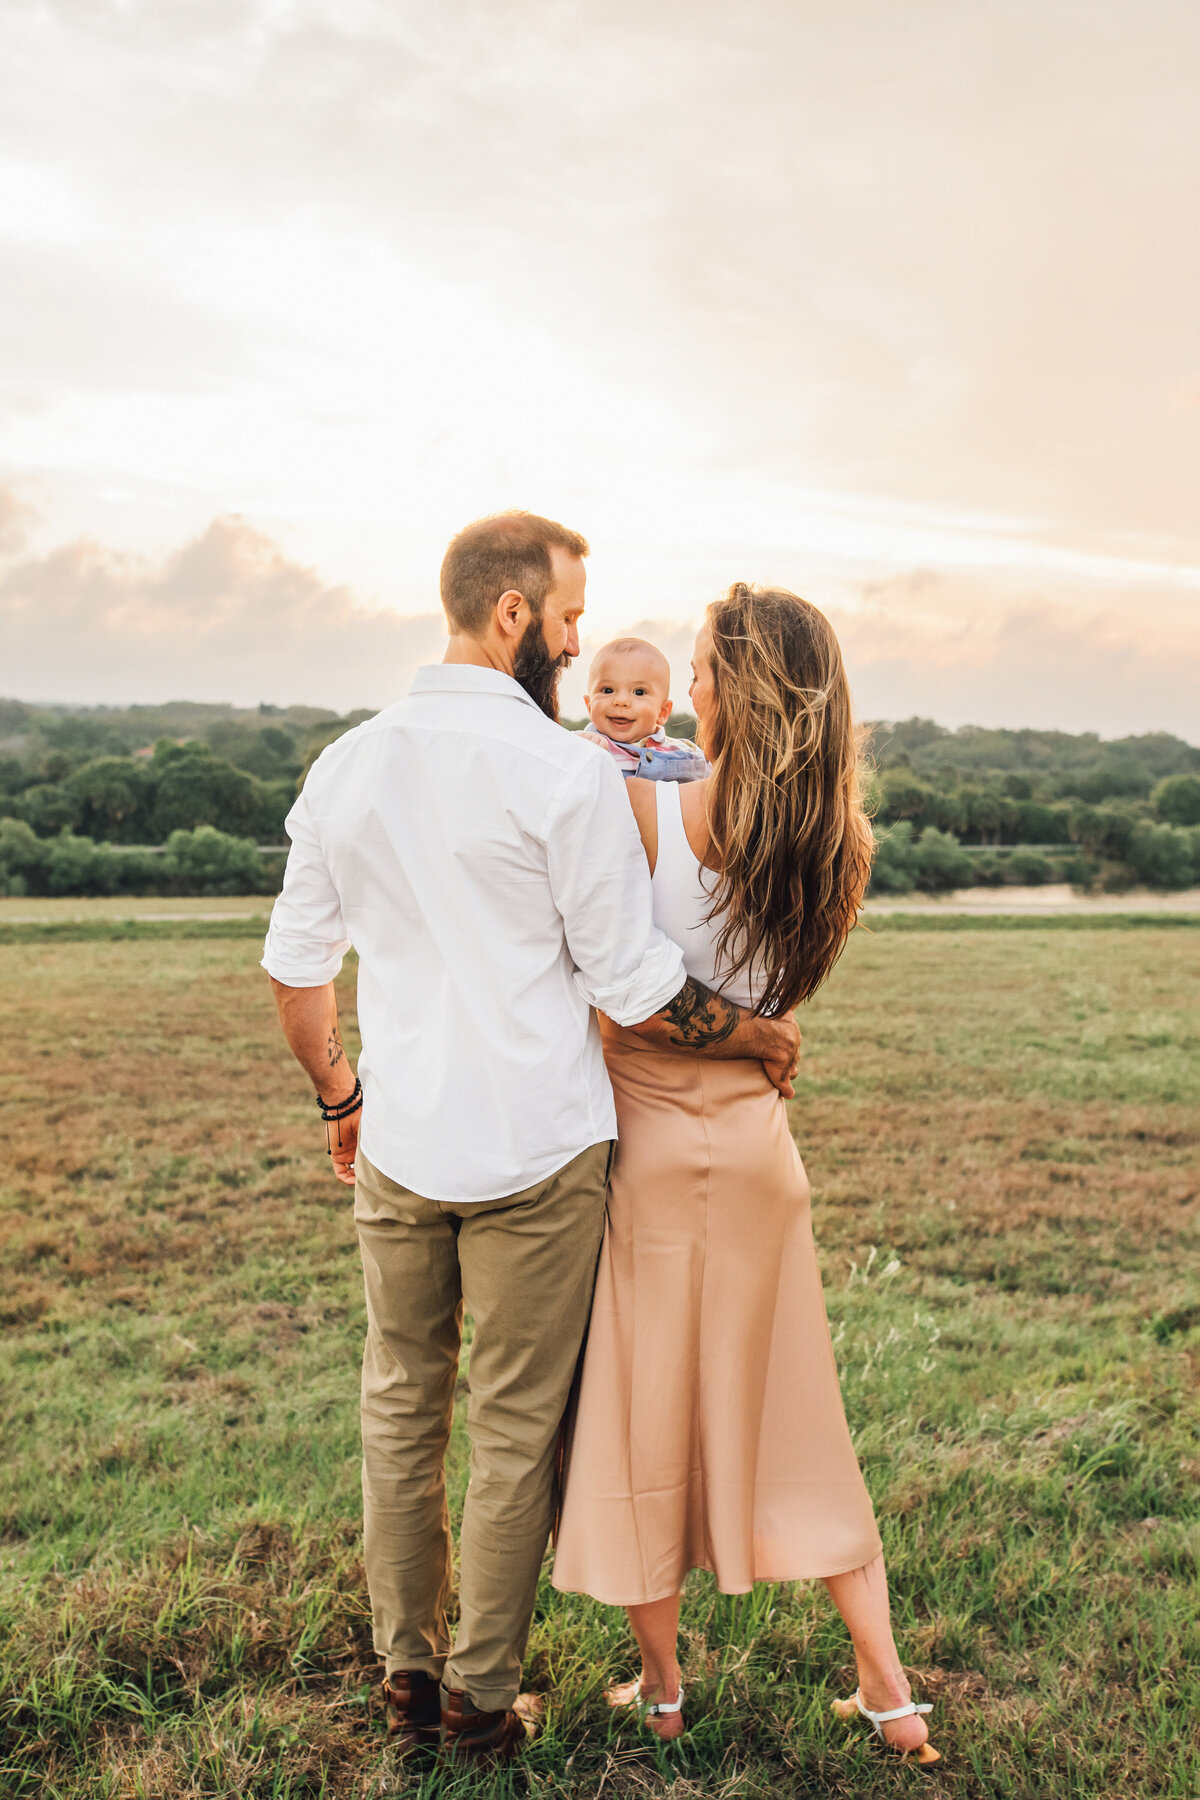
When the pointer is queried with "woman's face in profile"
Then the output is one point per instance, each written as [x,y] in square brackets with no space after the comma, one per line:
[702,692]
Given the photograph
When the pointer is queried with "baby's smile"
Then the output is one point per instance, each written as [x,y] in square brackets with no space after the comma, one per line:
[629,693]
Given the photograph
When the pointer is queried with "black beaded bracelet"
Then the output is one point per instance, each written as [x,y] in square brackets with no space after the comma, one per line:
[333,1115]
[342,1109]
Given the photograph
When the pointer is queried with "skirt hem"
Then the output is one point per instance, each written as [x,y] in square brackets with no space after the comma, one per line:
[565,1587]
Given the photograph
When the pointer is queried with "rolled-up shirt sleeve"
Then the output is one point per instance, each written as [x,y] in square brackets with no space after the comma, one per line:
[306,939]
[624,965]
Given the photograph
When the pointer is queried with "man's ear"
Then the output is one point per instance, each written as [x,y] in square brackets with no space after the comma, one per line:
[508,612]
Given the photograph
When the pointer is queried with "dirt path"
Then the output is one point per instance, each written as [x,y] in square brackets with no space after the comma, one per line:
[1047,902]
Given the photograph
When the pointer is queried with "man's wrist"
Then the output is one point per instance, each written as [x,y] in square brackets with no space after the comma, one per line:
[334,1097]
[773,1038]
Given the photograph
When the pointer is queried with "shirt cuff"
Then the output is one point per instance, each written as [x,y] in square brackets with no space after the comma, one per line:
[657,979]
[298,966]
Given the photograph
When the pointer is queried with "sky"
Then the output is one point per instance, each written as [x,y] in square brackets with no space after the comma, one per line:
[894,303]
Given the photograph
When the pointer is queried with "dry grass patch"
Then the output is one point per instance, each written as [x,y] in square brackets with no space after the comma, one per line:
[1003,1133]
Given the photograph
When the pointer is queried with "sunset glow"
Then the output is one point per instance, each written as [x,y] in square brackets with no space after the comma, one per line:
[896,308]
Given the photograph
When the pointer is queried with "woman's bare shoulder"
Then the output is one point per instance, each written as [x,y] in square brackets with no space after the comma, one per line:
[645,814]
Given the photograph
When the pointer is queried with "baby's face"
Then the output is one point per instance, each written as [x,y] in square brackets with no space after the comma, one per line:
[628,698]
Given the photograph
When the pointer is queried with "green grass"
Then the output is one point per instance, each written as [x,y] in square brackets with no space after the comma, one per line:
[120,931]
[106,928]
[1002,1133]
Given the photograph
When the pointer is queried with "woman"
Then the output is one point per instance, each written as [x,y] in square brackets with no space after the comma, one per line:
[710,1432]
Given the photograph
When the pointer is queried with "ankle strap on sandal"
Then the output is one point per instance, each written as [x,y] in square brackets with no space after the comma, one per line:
[657,1708]
[897,1712]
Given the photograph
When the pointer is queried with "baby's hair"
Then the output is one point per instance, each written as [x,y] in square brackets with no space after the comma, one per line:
[623,647]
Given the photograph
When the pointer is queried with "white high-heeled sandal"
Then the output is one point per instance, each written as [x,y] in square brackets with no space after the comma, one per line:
[657,1708]
[649,1710]
[846,1709]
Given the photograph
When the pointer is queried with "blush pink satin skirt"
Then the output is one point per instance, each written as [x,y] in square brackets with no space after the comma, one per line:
[710,1432]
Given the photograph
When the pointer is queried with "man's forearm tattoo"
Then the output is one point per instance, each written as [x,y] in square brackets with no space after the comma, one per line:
[699,1016]
[334,1048]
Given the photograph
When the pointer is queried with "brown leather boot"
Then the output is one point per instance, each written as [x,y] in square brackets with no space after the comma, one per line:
[470,1734]
[414,1710]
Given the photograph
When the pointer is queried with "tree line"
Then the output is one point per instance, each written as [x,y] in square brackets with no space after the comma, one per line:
[191,799]
[989,807]
[179,799]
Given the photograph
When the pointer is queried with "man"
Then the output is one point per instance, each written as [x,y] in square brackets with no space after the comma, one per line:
[485,865]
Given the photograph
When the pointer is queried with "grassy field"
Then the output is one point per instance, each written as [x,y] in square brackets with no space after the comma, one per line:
[1003,1134]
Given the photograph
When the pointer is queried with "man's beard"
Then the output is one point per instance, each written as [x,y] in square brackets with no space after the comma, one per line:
[538,671]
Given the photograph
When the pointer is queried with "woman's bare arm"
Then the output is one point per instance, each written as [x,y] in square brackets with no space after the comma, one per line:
[640,795]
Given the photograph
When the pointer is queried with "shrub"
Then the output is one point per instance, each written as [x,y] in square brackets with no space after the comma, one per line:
[141,872]
[988,871]
[1028,868]
[1162,856]
[893,871]
[940,861]
[1104,830]
[76,865]
[1177,800]
[208,861]
[1081,871]
[22,857]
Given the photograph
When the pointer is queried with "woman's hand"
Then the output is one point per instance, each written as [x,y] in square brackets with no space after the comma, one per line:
[781,1065]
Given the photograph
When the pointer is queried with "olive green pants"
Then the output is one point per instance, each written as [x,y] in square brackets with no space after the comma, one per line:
[523,1267]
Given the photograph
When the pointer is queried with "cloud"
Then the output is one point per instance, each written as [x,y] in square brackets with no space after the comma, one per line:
[227,616]
[16,515]
[74,321]
[966,651]
[230,616]
[934,254]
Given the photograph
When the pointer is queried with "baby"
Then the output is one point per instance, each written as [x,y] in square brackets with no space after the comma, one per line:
[629,702]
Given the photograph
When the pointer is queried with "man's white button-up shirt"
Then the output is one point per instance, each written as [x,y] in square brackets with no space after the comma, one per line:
[485,865]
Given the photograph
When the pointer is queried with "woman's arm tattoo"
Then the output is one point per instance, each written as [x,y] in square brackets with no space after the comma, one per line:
[699,1016]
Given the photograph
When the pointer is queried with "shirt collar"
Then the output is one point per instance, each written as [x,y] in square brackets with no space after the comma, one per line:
[468,678]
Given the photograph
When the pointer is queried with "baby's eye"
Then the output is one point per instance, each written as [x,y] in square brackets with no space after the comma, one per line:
[639,693]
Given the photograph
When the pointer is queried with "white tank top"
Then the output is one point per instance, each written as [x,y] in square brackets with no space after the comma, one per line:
[682,896]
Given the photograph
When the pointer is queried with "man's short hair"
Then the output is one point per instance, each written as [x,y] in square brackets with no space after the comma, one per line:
[505,551]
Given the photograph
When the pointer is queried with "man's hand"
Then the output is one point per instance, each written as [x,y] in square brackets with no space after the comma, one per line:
[782,1067]
[342,1154]
[698,1022]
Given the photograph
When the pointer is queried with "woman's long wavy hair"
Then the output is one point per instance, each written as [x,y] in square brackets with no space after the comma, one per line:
[792,842]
